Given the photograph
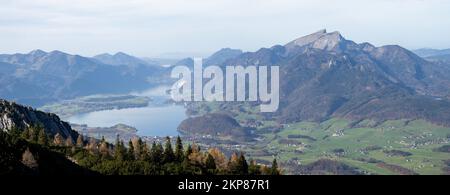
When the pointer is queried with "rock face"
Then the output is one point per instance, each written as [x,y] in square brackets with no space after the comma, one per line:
[319,40]
[13,115]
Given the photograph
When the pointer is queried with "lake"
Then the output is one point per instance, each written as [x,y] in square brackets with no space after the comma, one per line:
[157,119]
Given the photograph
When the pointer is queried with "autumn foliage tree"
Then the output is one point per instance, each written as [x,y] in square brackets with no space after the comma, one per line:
[58,140]
[136,158]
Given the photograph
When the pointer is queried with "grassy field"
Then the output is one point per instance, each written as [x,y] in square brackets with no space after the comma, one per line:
[368,146]
[334,139]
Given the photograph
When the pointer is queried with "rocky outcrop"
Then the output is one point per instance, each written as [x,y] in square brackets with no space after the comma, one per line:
[13,115]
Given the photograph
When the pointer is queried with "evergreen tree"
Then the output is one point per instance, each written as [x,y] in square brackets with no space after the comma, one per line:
[210,164]
[253,168]
[15,132]
[168,156]
[145,155]
[243,166]
[274,169]
[188,151]
[26,134]
[179,156]
[31,135]
[238,165]
[42,137]
[131,154]
[140,149]
[119,150]
[156,153]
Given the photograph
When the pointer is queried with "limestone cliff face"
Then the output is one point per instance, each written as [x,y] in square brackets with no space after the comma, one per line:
[15,115]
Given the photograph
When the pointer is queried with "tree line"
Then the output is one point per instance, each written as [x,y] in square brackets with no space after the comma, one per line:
[136,157]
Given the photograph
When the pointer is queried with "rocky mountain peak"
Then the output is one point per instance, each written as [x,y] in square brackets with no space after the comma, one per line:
[37,53]
[318,40]
[13,115]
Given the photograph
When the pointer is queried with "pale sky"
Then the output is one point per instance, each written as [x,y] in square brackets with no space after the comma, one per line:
[151,28]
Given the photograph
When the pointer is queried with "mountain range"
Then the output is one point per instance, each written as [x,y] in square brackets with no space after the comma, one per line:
[39,77]
[121,58]
[324,75]
[428,52]
[435,55]
[216,58]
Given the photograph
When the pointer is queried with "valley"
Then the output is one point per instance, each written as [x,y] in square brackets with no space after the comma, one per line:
[345,107]
[368,146]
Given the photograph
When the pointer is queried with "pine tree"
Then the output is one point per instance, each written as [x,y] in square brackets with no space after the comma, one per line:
[179,156]
[243,166]
[139,149]
[145,155]
[131,154]
[42,137]
[168,156]
[210,163]
[188,151]
[25,134]
[32,134]
[253,168]
[156,153]
[119,152]
[274,169]
[15,132]
[238,165]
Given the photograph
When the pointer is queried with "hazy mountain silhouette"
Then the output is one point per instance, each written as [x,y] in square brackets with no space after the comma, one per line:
[38,77]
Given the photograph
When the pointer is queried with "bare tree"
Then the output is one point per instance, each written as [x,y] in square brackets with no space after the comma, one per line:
[58,140]
[29,160]
[80,141]
[69,142]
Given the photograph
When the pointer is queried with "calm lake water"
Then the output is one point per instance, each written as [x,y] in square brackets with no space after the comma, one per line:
[157,119]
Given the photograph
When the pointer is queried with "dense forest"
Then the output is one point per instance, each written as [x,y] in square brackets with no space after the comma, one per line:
[33,152]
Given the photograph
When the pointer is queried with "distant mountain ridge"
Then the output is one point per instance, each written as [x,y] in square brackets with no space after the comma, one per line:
[216,58]
[39,77]
[428,52]
[438,56]
[121,58]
